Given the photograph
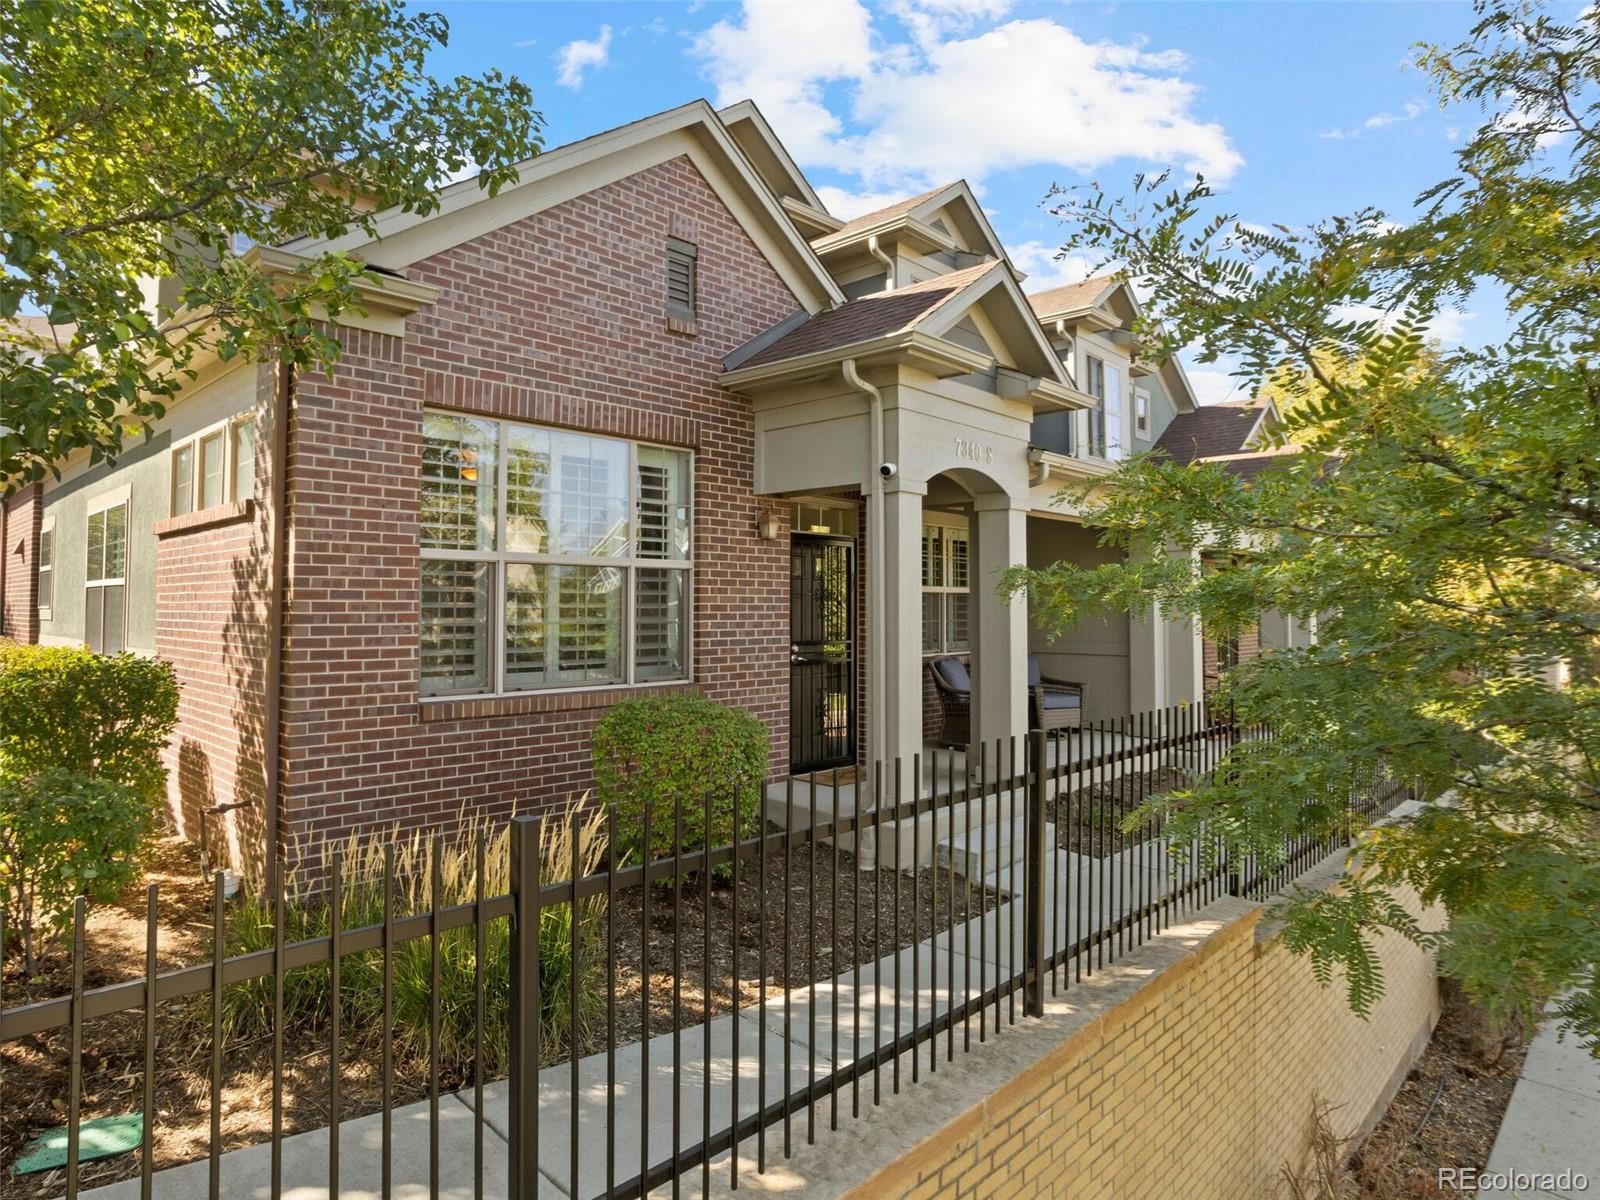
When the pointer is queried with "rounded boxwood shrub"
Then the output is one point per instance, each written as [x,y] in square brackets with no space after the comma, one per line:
[64,834]
[686,750]
[105,716]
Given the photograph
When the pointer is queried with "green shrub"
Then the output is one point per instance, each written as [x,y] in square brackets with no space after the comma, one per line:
[308,990]
[672,751]
[65,834]
[96,715]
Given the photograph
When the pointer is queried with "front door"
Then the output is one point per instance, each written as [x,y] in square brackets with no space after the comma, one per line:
[822,671]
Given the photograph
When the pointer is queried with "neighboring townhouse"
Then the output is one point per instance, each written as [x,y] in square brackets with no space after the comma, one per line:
[649,420]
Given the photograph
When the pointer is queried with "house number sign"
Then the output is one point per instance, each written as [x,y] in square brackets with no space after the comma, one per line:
[973,451]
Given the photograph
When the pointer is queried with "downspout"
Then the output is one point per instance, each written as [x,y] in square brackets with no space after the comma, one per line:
[876,564]
[277,583]
[877,253]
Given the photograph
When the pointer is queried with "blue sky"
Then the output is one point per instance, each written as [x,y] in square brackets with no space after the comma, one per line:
[1297,110]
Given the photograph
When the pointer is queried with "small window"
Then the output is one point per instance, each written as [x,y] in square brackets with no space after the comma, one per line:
[244,459]
[946,583]
[1095,385]
[105,580]
[183,480]
[47,569]
[682,285]
[216,466]
[1141,412]
[213,469]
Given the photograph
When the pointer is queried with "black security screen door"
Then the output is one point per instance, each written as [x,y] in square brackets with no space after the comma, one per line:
[822,674]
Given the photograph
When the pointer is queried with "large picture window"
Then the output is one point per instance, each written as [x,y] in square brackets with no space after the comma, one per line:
[105,580]
[551,559]
[946,594]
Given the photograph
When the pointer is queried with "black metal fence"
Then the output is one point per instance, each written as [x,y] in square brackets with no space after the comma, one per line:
[875,925]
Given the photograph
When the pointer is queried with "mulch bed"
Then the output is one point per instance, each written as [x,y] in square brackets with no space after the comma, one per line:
[1089,820]
[820,948]
[1447,1112]
[34,1070]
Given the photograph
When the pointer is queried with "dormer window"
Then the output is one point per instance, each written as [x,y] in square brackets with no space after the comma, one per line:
[682,285]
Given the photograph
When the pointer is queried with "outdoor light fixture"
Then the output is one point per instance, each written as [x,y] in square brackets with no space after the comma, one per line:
[768,526]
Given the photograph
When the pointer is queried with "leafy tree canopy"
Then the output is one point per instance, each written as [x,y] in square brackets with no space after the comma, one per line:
[1435,511]
[148,140]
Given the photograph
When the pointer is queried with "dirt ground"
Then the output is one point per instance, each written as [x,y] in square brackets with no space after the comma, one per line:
[1447,1112]
[34,1070]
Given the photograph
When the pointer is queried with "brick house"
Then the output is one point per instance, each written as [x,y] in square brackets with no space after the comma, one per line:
[649,420]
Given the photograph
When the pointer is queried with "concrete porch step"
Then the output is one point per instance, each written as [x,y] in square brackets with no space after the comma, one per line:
[986,850]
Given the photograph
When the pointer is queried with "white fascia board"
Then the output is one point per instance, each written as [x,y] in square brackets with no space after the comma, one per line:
[562,174]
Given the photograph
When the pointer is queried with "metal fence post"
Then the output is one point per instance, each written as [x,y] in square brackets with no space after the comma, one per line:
[523,1168]
[1035,863]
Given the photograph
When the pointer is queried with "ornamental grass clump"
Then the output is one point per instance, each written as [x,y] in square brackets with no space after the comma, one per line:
[574,836]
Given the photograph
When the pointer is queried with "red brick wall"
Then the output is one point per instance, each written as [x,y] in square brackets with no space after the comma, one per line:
[211,625]
[19,583]
[557,319]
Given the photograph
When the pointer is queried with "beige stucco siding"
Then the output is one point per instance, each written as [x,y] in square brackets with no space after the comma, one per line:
[145,471]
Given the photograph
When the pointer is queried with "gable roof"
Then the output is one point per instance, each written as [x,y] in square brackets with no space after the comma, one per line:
[555,176]
[1208,432]
[878,315]
[914,324]
[915,214]
[1073,297]
[768,154]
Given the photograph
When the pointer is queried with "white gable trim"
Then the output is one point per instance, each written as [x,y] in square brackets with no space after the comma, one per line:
[567,172]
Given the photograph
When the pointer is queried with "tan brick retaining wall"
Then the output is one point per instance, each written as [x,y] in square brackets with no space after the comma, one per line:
[1190,1069]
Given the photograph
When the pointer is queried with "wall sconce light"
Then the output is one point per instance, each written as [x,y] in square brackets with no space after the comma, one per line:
[768,526]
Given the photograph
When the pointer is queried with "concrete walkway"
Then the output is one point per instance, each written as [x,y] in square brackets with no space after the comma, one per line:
[1551,1127]
[829,1024]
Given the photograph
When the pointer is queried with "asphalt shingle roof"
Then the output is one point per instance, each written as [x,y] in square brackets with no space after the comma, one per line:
[1070,296]
[868,317]
[1205,432]
[892,210]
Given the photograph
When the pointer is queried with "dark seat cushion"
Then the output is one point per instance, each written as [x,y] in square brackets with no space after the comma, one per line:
[1059,699]
[954,672]
[1033,670]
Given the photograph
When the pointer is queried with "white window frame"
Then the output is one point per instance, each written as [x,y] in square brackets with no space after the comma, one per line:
[119,498]
[1141,411]
[228,427]
[944,589]
[47,527]
[499,559]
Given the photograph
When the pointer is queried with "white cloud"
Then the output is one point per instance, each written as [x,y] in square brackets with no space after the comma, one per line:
[847,205]
[1413,109]
[573,59]
[931,20]
[1449,325]
[1410,111]
[1212,384]
[1039,262]
[953,101]
[781,56]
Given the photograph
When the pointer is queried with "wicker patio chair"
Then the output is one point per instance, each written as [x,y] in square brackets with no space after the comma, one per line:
[954,687]
[1052,703]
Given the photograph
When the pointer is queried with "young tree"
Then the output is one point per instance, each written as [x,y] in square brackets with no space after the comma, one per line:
[146,141]
[1436,510]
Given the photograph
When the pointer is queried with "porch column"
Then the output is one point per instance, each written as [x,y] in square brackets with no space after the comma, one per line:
[1147,661]
[1000,647]
[894,624]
